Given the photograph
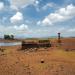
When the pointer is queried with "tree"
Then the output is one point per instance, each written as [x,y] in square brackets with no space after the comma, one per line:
[8,36]
[12,37]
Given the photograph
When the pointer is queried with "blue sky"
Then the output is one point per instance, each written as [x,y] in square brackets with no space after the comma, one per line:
[37,18]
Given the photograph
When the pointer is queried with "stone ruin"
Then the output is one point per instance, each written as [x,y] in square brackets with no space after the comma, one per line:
[38,44]
[59,38]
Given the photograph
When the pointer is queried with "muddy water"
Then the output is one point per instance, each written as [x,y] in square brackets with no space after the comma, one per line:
[9,43]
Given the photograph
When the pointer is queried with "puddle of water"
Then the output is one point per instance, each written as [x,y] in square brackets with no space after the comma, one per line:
[9,44]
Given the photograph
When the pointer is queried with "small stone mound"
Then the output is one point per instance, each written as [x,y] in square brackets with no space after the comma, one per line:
[42,61]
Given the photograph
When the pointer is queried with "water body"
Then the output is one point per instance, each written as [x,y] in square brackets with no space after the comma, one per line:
[9,43]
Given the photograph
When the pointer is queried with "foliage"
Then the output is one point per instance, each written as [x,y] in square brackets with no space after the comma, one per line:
[8,36]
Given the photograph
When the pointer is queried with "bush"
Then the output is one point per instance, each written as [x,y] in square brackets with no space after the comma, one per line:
[8,36]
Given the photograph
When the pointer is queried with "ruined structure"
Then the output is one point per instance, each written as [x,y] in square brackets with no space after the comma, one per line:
[39,44]
[59,38]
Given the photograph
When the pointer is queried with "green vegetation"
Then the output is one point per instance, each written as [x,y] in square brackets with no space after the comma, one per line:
[8,36]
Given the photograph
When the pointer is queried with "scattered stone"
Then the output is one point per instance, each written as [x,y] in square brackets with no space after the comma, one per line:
[66,49]
[2,50]
[17,62]
[42,60]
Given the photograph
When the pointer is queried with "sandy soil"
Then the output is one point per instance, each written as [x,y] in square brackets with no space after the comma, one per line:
[57,61]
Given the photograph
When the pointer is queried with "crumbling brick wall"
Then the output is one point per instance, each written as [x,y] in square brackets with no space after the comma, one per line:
[27,45]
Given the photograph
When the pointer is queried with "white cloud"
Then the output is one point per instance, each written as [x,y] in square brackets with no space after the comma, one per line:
[14,7]
[17,17]
[60,15]
[14,29]
[39,22]
[48,5]
[16,4]
[60,30]
[1,6]
[6,30]
[71,30]
[22,27]
[36,5]
[36,2]
[20,3]
[46,21]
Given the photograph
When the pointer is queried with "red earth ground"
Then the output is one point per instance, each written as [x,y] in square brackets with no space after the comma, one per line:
[57,61]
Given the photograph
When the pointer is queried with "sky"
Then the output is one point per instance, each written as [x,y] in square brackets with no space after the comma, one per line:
[37,18]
